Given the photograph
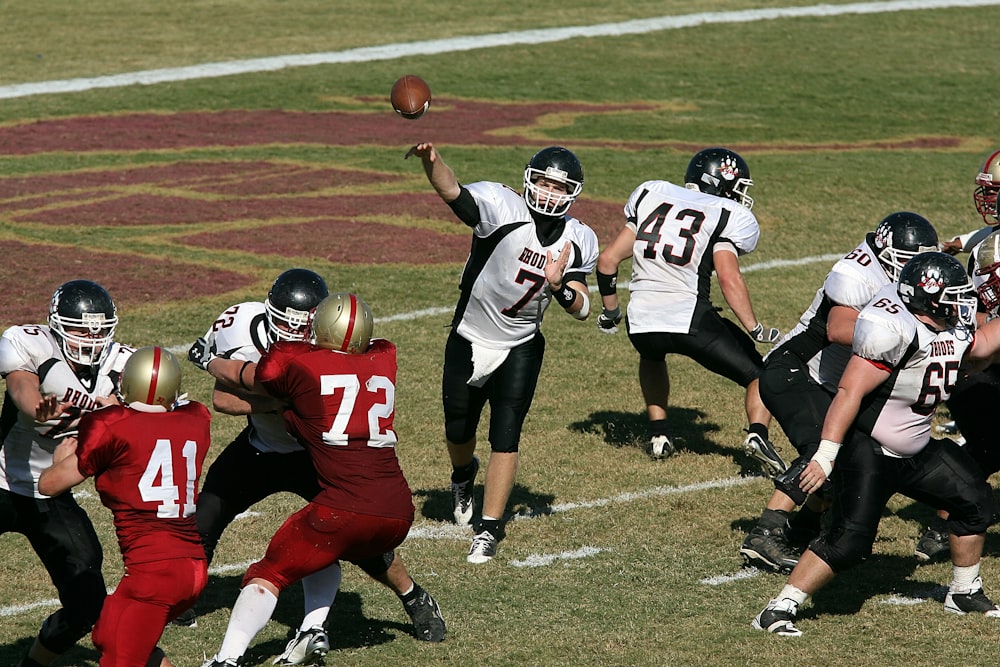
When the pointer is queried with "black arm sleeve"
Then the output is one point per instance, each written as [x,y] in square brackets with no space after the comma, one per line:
[465,207]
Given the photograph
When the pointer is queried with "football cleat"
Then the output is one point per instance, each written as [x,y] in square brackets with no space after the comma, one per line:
[428,623]
[972,601]
[933,545]
[768,550]
[188,619]
[764,453]
[215,662]
[661,447]
[462,496]
[778,618]
[307,647]
[483,549]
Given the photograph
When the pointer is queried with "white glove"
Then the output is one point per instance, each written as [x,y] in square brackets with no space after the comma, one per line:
[762,334]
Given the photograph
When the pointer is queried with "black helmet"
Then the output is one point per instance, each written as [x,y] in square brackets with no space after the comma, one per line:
[83,318]
[936,284]
[558,164]
[900,236]
[291,302]
[720,172]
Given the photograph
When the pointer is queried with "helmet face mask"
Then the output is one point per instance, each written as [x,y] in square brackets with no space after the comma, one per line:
[343,322]
[720,172]
[291,302]
[987,187]
[899,237]
[936,284]
[152,377]
[988,265]
[83,318]
[552,166]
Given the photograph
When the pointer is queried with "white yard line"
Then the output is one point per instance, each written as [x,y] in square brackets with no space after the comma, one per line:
[456,44]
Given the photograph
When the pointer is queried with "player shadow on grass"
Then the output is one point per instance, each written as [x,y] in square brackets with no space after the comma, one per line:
[689,431]
[437,505]
[350,628]
[80,656]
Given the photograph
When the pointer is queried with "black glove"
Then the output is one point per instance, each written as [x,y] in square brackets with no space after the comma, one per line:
[202,352]
[762,334]
[608,320]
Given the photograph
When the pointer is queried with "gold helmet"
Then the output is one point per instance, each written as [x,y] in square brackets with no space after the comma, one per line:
[987,186]
[986,276]
[151,376]
[343,322]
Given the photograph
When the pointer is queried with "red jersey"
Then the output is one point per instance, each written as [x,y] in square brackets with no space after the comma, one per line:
[341,410]
[146,467]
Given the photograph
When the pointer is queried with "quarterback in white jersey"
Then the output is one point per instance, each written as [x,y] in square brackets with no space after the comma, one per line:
[55,373]
[908,345]
[264,459]
[677,237]
[801,373]
[526,252]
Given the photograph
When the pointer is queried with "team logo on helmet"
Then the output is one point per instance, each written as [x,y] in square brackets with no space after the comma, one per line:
[883,236]
[729,170]
[931,281]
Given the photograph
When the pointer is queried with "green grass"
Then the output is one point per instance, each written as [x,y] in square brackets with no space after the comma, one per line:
[819,107]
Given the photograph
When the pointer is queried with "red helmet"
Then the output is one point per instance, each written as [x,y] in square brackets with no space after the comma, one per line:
[987,186]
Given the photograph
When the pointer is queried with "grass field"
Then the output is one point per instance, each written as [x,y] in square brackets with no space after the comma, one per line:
[186,197]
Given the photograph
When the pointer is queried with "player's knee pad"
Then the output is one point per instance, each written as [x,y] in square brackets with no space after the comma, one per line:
[82,602]
[843,549]
[980,515]
[377,566]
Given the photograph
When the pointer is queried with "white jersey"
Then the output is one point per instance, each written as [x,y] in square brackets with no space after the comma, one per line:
[28,444]
[504,291]
[676,233]
[852,282]
[241,333]
[923,366]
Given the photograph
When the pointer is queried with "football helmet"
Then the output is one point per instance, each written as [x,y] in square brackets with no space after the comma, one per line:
[83,318]
[900,236]
[151,376]
[936,284]
[558,164]
[290,304]
[987,273]
[720,172]
[987,187]
[343,322]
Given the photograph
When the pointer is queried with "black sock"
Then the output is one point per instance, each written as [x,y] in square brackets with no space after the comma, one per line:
[771,519]
[759,429]
[658,427]
[493,526]
[463,473]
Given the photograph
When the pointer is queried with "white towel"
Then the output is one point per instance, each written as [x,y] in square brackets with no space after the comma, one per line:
[484,362]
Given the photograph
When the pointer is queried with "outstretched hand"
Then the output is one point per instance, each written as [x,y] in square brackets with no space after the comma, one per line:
[762,334]
[49,407]
[555,268]
[424,151]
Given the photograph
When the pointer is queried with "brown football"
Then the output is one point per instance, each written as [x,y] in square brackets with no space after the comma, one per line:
[410,96]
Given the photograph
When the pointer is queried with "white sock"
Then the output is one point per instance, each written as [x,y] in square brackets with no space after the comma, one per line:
[792,593]
[962,578]
[319,590]
[251,613]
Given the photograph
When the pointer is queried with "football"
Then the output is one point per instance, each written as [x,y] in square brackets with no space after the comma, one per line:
[410,96]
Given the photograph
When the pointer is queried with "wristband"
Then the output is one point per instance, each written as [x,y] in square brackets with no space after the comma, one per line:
[565,296]
[243,368]
[826,455]
[607,283]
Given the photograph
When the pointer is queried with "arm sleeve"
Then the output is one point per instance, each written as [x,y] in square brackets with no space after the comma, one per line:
[465,207]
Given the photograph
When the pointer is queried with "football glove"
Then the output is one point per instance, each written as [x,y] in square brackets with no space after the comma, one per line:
[608,320]
[762,334]
[202,352]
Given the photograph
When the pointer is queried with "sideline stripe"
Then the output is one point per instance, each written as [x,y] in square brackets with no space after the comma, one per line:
[438,46]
